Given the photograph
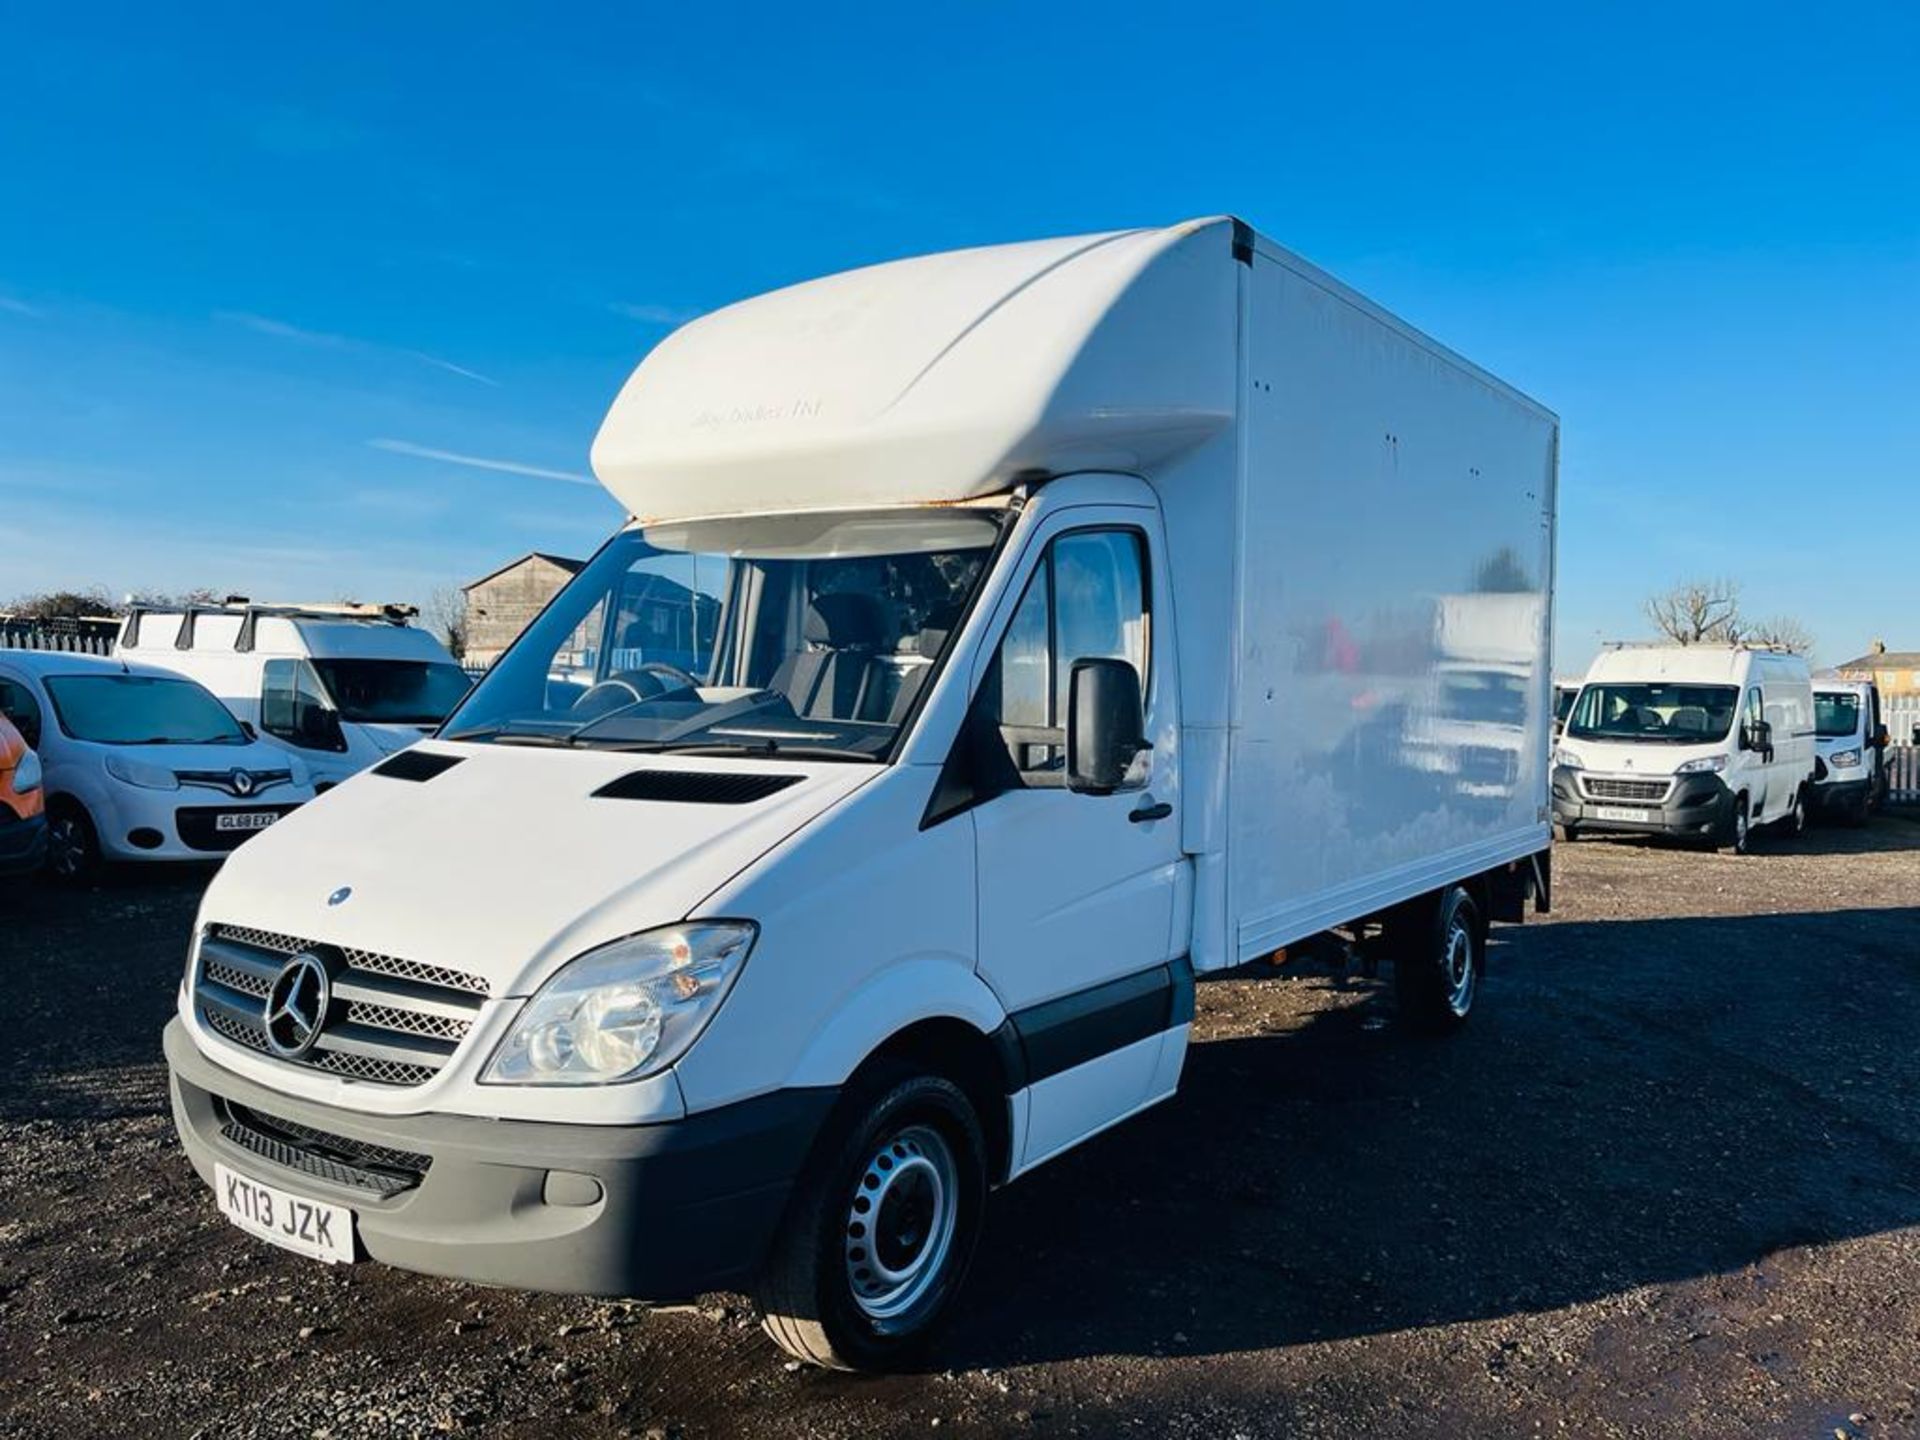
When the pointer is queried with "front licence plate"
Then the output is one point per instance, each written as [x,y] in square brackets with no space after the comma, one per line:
[245,820]
[1621,812]
[312,1227]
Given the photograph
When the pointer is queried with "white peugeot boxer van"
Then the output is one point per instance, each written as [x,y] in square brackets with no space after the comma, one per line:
[1049,621]
[341,685]
[1850,740]
[1699,742]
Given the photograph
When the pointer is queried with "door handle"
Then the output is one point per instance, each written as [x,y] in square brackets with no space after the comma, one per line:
[1159,811]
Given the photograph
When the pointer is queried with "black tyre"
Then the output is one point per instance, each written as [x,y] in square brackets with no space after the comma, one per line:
[1439,955]
[1794,822]
[1566,834]
[73,849]
[1737,835]
[882,1225]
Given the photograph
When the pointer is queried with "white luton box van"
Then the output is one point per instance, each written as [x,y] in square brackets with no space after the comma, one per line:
[1695,742]
[1062,619]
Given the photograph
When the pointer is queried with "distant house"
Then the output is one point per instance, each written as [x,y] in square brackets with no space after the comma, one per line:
[1896,672]
[500,604]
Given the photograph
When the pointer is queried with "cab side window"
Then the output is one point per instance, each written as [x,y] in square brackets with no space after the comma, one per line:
[1086,599]
[1755,712]
[19,706]
[293,708]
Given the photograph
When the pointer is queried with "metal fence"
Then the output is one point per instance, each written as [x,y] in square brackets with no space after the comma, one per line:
[74,637]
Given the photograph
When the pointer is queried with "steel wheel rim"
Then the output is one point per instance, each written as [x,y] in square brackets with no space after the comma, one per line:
[900,1222]
[1740,828]
[1460,968]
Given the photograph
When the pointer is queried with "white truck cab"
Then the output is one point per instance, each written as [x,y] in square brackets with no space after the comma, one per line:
[1850,742]
[1698,742]
[1002,638]
[340,685]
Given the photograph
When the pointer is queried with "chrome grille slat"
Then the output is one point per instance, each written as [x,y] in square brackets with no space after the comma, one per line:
[391,1021]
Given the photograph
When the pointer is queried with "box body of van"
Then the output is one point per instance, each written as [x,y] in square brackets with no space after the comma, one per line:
[1697,742]
[1850,742]
[343,685]
[1038,627]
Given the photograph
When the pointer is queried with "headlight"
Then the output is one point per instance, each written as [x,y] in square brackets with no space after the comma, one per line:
[138,772]
[26,775]
[1705,765]
[1567,760]
[624,1010]
[1844,759]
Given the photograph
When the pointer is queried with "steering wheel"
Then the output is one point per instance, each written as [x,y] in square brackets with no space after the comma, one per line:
[633,687]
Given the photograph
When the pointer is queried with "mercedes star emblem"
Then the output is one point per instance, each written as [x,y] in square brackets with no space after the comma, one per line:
[297,1005]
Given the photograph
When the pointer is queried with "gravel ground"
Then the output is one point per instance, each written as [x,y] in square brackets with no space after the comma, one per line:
[1666,1184]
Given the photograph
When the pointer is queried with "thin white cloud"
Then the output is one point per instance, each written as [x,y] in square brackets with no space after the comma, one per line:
[326,340]
[18,307]
[656,314]
[480,462]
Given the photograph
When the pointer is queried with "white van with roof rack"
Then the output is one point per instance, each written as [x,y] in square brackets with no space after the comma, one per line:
[1004,639]
[342,685]
[1697,742]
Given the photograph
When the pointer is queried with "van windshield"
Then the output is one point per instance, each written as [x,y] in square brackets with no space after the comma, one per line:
[1675,714]
[1836,713]
[141,710]
[808,635]
[393,692]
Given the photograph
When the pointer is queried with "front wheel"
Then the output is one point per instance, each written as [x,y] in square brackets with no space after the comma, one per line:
[1739,831]
[881,1228]
[1437,963]
[73,850]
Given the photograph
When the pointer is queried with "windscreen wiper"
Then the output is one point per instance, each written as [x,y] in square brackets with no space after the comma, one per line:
[769,747]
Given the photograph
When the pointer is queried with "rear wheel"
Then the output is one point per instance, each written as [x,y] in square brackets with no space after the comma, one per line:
[73,849]
[881,1228]
[1795,822]
[1438,959]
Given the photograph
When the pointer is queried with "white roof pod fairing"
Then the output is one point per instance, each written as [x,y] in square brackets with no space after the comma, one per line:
[942,378]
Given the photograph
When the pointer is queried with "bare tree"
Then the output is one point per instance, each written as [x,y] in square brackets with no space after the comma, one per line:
[1781,630]
[1697,612]
[62,605]
[445,614]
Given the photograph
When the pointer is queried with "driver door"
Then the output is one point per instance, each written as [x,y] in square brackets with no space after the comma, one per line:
[1077,892]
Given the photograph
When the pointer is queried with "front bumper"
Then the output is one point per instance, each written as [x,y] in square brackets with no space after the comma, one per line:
[654,1212]
[1845,797]
[1696,807]
[23,843]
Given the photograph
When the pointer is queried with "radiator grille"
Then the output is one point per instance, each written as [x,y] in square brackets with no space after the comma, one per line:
[1603,787]
[387,1021]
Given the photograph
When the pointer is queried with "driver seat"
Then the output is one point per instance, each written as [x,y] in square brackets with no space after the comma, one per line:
[825,680]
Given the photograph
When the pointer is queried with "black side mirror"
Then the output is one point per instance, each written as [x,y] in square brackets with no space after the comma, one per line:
[246,729]
[1758,737]
[1106,725]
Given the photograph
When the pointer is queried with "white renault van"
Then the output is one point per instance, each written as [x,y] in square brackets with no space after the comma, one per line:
[1042,625]
[1850,739]
[341,685]
[140,764]
[1699,742]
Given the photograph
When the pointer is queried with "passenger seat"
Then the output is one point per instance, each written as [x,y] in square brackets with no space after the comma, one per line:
[827,679]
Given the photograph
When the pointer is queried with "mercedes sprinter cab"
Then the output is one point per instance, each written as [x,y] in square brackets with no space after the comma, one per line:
[1040,627]
[1850,739]
[1697,742]
[340,685]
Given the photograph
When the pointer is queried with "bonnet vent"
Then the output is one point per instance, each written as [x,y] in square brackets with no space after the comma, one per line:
[416,765]
[695,787]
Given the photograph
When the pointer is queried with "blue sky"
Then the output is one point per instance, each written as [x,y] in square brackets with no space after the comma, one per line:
[270,284]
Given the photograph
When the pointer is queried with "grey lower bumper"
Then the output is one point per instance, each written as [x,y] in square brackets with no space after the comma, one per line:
[1699,807]
[1841,797]
[645,1211]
